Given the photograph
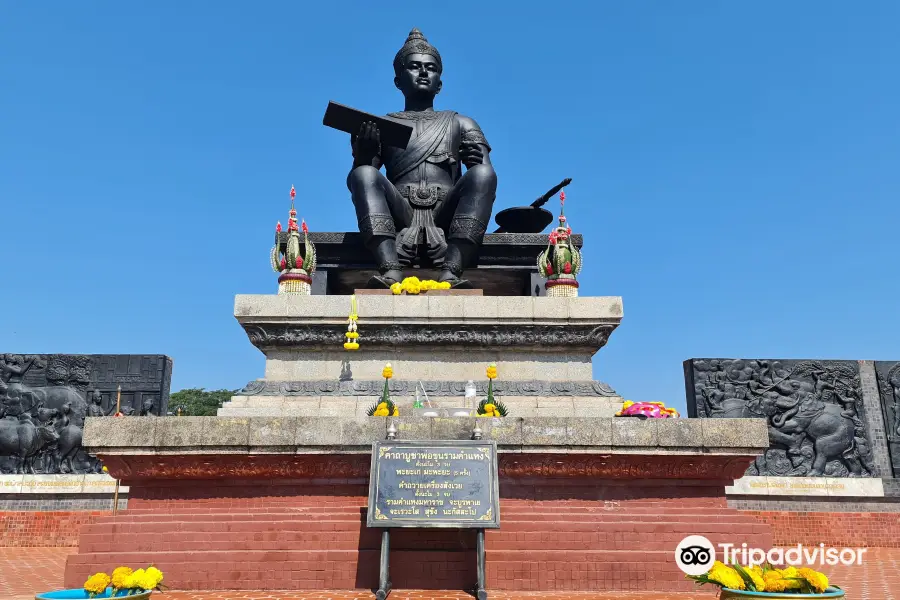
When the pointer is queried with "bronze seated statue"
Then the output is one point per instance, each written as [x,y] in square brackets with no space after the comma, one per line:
[426,211]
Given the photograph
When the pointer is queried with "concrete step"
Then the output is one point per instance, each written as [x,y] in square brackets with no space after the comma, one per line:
[339,569]
[289,536]
[507,514]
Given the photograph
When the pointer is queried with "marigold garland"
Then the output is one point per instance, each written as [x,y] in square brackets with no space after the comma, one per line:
[413,285]
[352,334]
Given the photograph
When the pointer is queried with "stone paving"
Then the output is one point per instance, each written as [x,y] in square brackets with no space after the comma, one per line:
[27,571]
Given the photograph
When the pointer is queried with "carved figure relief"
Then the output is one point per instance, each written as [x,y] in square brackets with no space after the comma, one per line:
[44,400]
[888,375]
[814,411]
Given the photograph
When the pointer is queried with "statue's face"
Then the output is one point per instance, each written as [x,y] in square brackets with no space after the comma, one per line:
[421,75]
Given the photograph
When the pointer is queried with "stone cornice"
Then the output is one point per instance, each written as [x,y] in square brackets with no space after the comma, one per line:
[592,337]
[438,389]
[257,436]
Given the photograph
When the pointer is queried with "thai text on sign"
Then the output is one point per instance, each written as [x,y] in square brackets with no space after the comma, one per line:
[434,484]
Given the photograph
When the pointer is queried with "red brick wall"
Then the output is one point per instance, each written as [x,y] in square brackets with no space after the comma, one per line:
[852,530]
[44,528]
[862,530]
[556,534]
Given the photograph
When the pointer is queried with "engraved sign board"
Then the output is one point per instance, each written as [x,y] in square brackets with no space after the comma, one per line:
[432,484]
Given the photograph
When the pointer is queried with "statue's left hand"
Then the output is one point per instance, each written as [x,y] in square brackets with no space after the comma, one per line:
[471,154]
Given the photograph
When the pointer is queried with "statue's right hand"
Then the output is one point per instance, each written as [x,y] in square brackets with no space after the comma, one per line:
[367,143]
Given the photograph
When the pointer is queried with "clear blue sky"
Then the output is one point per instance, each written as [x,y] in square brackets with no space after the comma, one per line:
[736,165]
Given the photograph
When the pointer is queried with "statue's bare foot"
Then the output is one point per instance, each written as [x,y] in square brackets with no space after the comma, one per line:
[455,282]
[386,280]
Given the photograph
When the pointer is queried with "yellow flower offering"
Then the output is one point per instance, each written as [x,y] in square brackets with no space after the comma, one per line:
[388,371]
[817,580]
[351,345]
[133,581]
[726,576]
[120,577]
[492,371]
[774,581]
[97,583]
[790,574]
[149,579]
[756,576]
[413,285]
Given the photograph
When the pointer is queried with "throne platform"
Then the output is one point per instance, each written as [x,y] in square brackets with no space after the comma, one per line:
[505,266]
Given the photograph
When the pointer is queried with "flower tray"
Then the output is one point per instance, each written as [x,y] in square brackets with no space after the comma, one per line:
[80,594]
[728,594]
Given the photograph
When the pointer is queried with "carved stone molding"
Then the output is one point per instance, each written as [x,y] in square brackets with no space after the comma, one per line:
[624,466]
[218,466]
[514,465]
[438,389]
[591,337]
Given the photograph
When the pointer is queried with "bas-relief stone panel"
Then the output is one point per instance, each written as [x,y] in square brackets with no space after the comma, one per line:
[888,376]
[45,398]
[814,410]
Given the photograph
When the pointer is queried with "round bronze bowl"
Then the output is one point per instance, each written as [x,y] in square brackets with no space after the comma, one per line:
[523,219]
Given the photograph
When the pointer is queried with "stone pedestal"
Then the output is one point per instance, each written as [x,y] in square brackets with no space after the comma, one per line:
[280,503]
[542,347]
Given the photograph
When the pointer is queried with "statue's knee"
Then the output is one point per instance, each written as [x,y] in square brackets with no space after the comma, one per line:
[364,175]
[483,176]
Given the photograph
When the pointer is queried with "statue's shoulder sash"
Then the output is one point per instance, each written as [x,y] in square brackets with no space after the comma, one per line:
[428,142]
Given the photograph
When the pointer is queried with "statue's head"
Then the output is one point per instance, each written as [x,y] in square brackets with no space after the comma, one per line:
[96,397]
[418,67]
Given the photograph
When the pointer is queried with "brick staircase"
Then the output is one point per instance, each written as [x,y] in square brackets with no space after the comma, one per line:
[325,544]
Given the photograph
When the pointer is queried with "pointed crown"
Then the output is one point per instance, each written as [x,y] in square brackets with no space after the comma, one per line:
[416,44]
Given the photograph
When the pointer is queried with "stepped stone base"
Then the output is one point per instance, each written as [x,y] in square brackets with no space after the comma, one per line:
[280,503]
[542,347]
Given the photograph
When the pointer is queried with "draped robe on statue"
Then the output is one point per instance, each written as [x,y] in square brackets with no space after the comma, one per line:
[434,142]
[424,210]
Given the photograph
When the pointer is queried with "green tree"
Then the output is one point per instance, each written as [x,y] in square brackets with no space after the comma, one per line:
[197,402]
